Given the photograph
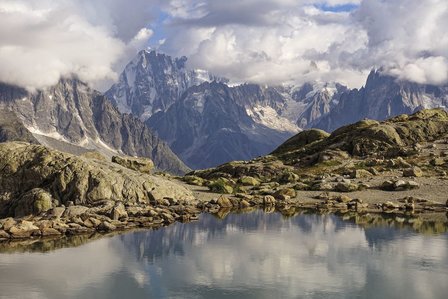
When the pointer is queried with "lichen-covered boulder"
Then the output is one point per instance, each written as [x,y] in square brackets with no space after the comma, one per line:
[35,201]
[249,181]
[67,178]
[143,165]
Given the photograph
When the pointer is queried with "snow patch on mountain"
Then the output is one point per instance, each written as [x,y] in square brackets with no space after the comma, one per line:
[269,117]
[53,134]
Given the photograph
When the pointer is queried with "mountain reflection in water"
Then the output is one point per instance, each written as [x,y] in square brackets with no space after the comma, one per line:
[256,255]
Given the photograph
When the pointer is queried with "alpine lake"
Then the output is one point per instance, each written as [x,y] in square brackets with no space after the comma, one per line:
[238,255]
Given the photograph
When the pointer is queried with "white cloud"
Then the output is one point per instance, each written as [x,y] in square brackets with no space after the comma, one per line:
[262,41]
[276,41]
[42,40]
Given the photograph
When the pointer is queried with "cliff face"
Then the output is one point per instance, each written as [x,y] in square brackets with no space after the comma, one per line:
[152,82]
[382,97]
[74,118]
[209,126]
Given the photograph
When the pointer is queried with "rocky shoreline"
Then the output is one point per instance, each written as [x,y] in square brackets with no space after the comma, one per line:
[108,217]
[397,168]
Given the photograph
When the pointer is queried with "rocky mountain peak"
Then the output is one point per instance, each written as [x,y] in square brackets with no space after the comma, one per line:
[72,117]
[152,82]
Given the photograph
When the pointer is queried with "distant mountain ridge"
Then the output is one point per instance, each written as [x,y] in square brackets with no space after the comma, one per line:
[202,118]
[177,103]
[208,127]
[152,82]
[72,117]
[382,97]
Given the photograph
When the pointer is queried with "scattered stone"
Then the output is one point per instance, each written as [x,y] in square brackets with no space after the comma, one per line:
[291,193]
[168,218]
[24,229]
[324,196]
[346,187]
[301,187]
[49,231]
[95,221]
[8,223]
[94,155]
[282,197]
[135,211]
[4,235]
[321,186]
[163,202]
[119,212]
[268,200]
[360,173]
[288,177]
[341,206]
[343,199]
[413,172]
[194,180]
[437,162]
[409,206]
[412,185]
[106,226]
[221,186]
[373,171]
[398,163]
[244,204]
[399,185]
[249,181]
[224,202]
[75,211]
[57,212]
[390,206]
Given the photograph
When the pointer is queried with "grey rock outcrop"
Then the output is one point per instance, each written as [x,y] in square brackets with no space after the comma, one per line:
[34,179]
[142,165]
[152,82]
[209,126]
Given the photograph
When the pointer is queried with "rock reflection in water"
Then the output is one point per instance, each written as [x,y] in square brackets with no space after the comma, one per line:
[254,255]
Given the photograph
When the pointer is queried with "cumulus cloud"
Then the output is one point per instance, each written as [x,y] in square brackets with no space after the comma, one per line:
[407,37]
[278,41]
[42,40]
[261,41]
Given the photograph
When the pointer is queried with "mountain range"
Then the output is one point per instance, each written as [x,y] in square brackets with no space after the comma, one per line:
[72,117]
[186,118]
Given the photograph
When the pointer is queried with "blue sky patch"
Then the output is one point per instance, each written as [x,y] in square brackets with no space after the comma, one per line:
[338,8]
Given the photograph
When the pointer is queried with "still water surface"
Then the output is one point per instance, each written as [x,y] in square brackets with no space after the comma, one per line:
[255,255]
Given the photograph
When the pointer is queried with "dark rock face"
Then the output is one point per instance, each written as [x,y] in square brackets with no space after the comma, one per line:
[382,97]
[205,121]
[12,129]
[72,117]
[153,82]
[209,126]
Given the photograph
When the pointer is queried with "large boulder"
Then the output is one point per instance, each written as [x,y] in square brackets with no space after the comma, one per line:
[67,178]
[143,165]
[35,201]
[221,185]
[413,172]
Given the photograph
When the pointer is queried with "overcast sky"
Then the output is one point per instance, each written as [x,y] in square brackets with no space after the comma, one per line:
[262,41]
